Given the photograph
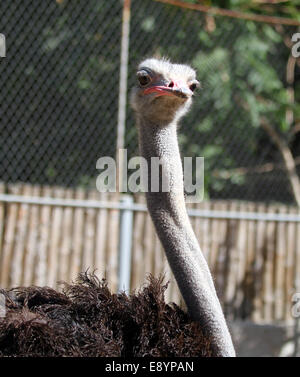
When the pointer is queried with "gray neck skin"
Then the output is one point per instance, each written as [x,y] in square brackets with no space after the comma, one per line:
[173,227]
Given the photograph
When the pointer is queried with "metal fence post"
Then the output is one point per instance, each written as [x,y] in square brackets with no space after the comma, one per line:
[123,91]
[125,241]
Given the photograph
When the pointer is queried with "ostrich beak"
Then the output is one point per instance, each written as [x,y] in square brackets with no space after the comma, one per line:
[175,88]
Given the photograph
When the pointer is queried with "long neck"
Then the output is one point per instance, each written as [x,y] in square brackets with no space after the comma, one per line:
[173,227]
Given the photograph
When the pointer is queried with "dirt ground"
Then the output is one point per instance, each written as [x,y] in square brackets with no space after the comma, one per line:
[264,340]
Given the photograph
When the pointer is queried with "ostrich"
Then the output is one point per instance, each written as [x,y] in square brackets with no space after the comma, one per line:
[86,319]
[163,95]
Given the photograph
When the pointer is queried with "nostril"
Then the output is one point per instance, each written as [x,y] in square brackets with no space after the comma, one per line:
[171,84]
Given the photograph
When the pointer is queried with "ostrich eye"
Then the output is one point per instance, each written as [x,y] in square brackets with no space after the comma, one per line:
[194,85]
[143,78]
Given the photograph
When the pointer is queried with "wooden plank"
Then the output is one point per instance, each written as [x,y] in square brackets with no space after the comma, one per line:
[280,250]
[78,238]
[31,240]
[259,265]
[242,259]
[268,291]
[220,277]
[275,209]
[66,244]
[42,271]
[101,239]
[232,263]
[55,240]
[9,238]
[89,236]
[250,262]
[37,241]
[21,231]
[290,263]
[94,195]
[214,244]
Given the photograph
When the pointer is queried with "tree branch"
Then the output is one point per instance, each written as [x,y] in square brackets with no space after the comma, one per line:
[290,78]
[244,170]
[287,158]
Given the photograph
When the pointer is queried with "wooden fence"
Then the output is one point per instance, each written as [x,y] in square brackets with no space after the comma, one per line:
[255,263]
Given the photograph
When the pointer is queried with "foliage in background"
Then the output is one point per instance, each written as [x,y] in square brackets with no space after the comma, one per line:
[241,65]
[61,90]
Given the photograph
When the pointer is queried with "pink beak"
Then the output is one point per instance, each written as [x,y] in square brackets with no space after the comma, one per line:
[177,88]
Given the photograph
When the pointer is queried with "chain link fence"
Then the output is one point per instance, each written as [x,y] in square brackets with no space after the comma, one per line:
[60,87]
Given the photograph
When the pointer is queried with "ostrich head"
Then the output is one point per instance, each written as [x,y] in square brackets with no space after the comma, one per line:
[164,90]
